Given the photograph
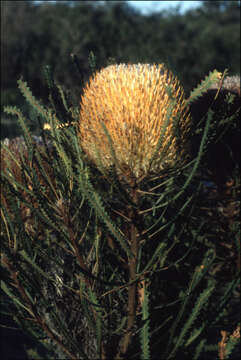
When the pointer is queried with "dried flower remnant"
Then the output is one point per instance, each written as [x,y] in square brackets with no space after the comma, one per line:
[133,103]
[12,159]
[230,83]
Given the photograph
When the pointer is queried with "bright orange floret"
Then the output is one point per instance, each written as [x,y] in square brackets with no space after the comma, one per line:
[133,102]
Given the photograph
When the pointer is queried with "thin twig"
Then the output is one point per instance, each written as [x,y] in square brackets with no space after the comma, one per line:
[33,312]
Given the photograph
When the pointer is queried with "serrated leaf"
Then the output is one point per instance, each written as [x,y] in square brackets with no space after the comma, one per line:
[213,77]
[27,93]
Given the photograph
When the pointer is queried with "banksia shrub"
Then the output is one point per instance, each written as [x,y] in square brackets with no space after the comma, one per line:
[140,106]
[110,267]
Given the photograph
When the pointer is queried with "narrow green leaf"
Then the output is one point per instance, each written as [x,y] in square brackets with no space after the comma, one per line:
[14,298]
[145,330]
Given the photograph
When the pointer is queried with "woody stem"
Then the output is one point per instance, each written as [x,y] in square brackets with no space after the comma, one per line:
[132,290]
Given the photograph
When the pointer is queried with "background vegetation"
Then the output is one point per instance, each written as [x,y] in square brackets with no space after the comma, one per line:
[38,34]
[35,35]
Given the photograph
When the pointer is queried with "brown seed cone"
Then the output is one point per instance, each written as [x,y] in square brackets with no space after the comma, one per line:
[133,101]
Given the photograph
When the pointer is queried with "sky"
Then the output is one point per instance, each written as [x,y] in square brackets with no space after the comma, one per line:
[151,6]
[146,7]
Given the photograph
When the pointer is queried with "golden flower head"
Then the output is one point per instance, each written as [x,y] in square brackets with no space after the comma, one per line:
[134,102]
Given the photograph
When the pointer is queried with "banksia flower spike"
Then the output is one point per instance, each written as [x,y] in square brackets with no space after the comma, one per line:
[136,104]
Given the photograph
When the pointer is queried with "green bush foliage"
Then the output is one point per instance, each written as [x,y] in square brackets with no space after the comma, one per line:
[93,268]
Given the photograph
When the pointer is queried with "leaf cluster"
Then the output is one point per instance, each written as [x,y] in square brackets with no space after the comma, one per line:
[96,268]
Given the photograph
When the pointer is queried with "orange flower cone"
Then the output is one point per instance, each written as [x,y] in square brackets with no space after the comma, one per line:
[133,101]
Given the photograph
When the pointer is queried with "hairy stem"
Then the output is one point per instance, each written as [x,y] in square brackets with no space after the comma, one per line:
[132,290]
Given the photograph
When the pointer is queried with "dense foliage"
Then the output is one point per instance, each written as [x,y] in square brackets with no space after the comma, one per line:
[118,270]
[121,266]
[38,34]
